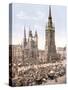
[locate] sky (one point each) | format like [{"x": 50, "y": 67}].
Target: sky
[{"x": 35, "y": 17}]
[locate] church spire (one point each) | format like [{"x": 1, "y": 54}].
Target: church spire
[
  {"x": 36, "y": 34},
  {"x": 24, "y": 33},
  {"x": 25, "y": 37},
  {"x": 30, "y": 32}
]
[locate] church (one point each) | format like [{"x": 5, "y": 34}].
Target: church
[{"x": 30, "y": 45}]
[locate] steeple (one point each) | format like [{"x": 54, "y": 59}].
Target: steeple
[
  {"x": 50, "y": 47},
  {"x": 50, "y": 18},
  {"x": 25, "y": 37},
  {"x": 36, "y": 34},
  {"x": 24, "y": 33},
  {"x": 50, "y": 12},
  {"x": 30, "y": 32},
  {"x": 36, "y": 39}
]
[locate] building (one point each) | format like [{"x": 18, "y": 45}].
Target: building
[
  {"x": 50, "y": 47},
  {"x": 30, "y": 47},
  {"x": 62, "y": 52}
]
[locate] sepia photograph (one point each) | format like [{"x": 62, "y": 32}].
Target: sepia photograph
[{"x": 37, "y": 44}]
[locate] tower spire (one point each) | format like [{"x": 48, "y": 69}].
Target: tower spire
[
  {"x": 50, "y": 47},
  {"x": 25, "y": 37},
  {"x": 36, "y": 33},
  {"x": 50, "y": 18},
  {"x": 50, "y": 12},
  {"x": 30, "y": 32},
  {"x": 24, "y": 32}
]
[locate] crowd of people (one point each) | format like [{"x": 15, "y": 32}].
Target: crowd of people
[{"x": 40, "y": 75}]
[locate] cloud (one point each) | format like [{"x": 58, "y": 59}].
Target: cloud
[
  {"x": 21, "y": 15},
  {"x": 40, "y": 14},
  {"x": 27, "y": 16}
]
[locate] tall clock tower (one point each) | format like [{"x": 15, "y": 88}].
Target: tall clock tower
[{"x": 50, "y": 47}]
